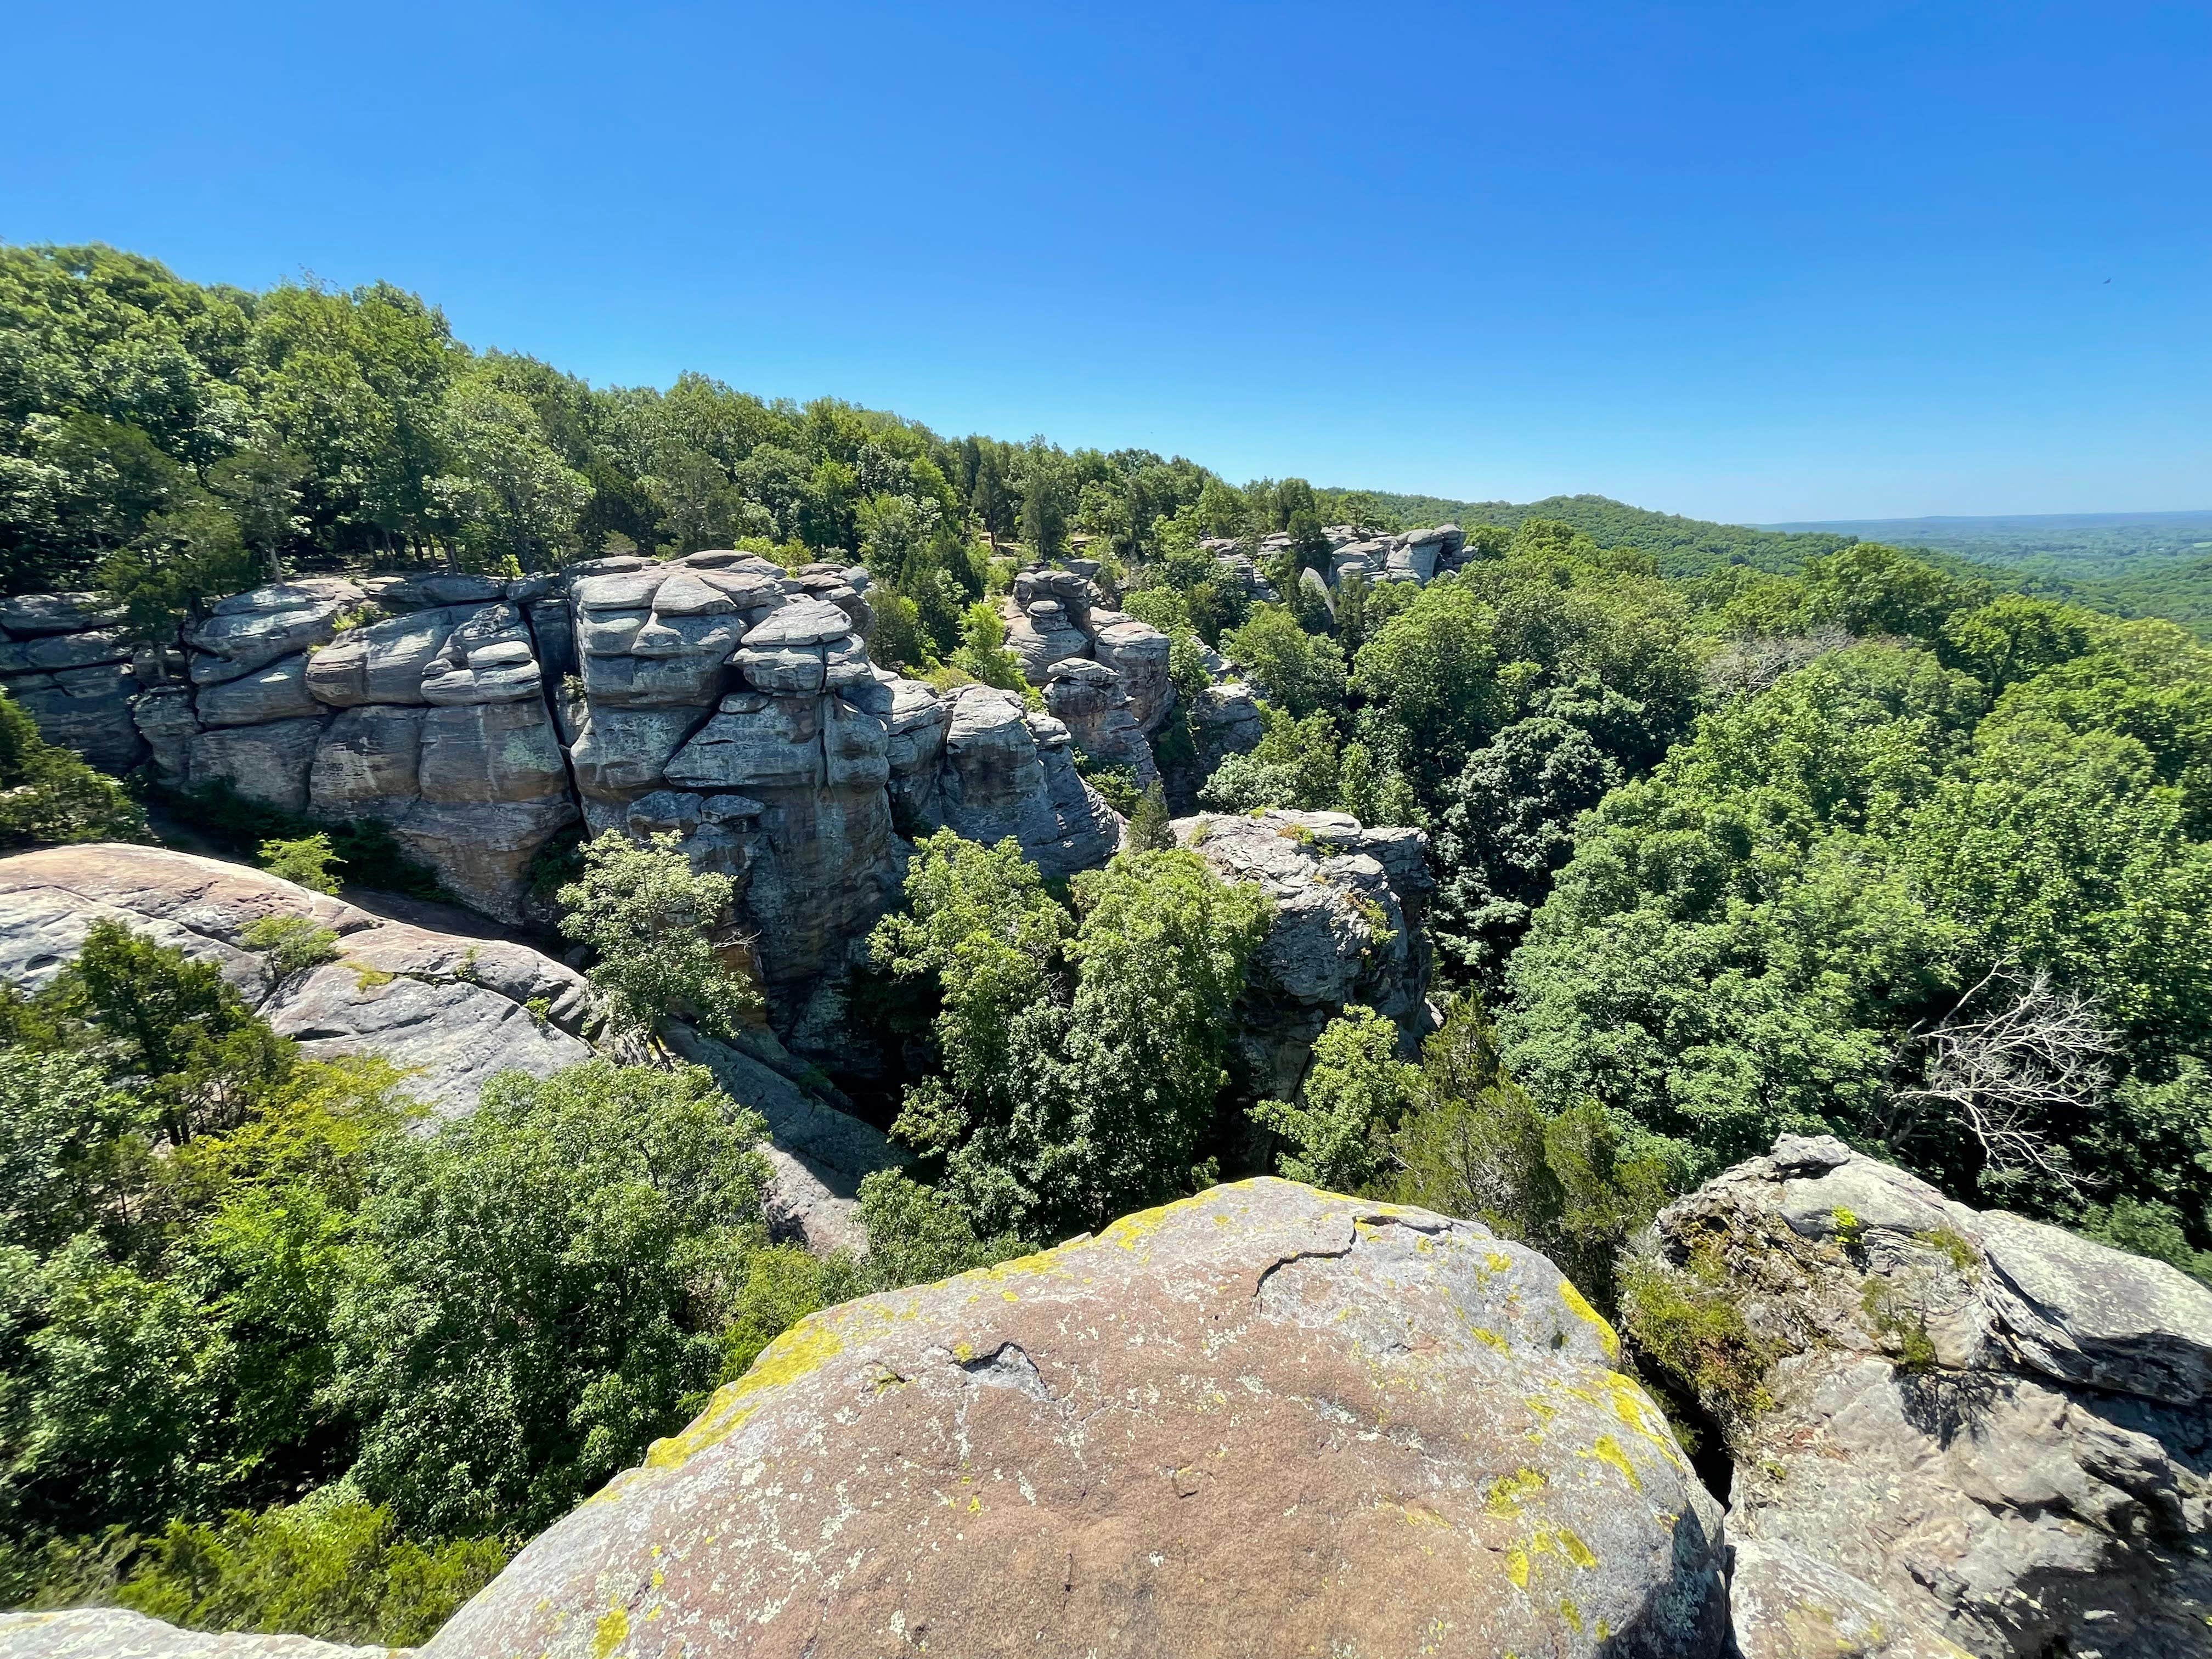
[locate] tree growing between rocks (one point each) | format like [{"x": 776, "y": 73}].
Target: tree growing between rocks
[
  {"x": 1082, "y": 1054},
  {"x": 662, "y": 934}
]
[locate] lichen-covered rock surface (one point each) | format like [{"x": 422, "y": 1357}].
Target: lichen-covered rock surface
[
  {"x": 118, "y": 1633},
  {"x": 1263, "y": 1420},
  {"x": 1986, "y": 1436},
  {"x": 451, "y": 1011}
]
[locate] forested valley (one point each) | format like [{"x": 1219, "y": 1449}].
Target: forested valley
[{"x": 1733, "y": 834}]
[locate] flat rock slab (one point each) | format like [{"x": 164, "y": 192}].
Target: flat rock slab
[
  {"x": 449, "y": 1011},
  {"x": 1267, "y": 1420},
  {"x": 118, "y": 1633}
]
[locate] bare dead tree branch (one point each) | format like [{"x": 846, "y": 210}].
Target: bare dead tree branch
[{"x": 2014, "y": 1053}]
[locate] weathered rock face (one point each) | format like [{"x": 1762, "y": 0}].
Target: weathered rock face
[
  {"x": 1089, "y": 699},
  {"x": 1264, "y": 1421},
  {"x": 1008, "y": 773},
  {"x": 1348, "y": 904},
  {"x": 451, "y": 1011},
  {"x": 118, "y": 1633},
  {"x": 818, "y": 1154},
  {"x": 716, "y": 696},
  {"x": 1988, "y": 1436}
]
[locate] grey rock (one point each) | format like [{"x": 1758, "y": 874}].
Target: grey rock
[
  {"x": 632, "y": 681},
  {"x": 251, "y": 630},
  {"x": 631, "y": 588},
  {"x": 451, "y": 1014},
  {"x": 1263, "y": 1421},
  {"x": 463, "y": 687},
  {"x": 1986, "y": 1436},
  {"x": 1042, "y": 636},
  {"x": 278, "y": 692},
  {"x": 31, "y": 615},
  {"x": 817, "y": 1153},
  {"x": 118, "y": 1633},
  {"x": 1006, "y": 776},
  {"x": 488, "y": 752},
  {"x": 87, "y": 709},
  {"x": 482, "y": 851},
  {"x": 1138, "y": 653},
  {"x": 165, "y": 720},
  {"x": 383, "y": 662},
  {"x": 1341, "y": 931},
  {"x": 1087, "y": 698},
  {"x": 268, "y": 764},
  {"x": 425, "y": 590},
  {"x": 1075, "y": 595},
  {"x": 620, "y": 752},
  {"x": 1225, "y": 720},
  {"x": 752, "y": 591},
  {"x": 855, "y": 747},
  {"x": 367, "y": 763},
  {"x": 46, "y": 653},
  {"x": 798, "y": 622},
  {"x": 796, "y": 671},
  {"x": 755, "y": 742}
]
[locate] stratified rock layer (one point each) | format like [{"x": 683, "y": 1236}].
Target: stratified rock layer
[
  {"x": 1988, "y": 1436},
  {"x": 1264, "y": 1421}
]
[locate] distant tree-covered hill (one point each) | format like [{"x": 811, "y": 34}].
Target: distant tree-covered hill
[{"x": 1683, "y": 547}]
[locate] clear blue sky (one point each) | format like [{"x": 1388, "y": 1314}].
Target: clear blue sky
[{"x": 1748, "y": 262}]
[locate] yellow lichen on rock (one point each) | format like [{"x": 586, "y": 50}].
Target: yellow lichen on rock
[{"x": 1578, "y": 1305}]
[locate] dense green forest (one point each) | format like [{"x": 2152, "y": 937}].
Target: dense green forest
[{"x": 1734, "y": 833}]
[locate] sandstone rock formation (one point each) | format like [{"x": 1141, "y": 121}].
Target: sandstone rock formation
[
  {"x": 1415, "y": 555},
  {"x": 1348, "y": 905},
  {"x": 718, "y": 696},
  {"x": 449, "y": 1011},
  {"x": 1987, "y": 1437},
  {"x": 63, "y": 659},
  {"x": 118, "y": 1633},
  {"x": 1264, "y": 1421},
  {"x": 1008, "y": 772}
]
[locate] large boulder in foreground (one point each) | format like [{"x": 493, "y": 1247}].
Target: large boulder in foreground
[
  {"x": 452, "y": 1011},
  {"x": 1981, "y": 1435},
  {"x": 1263, "y": 1420},
  {"x": 118, "y": 1633}
]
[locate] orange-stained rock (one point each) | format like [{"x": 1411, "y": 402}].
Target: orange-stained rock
[{"x": 1266, "y": 1420}]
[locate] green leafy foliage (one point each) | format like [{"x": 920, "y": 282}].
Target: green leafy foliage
[
  {"x": 1571, "y": 1182},
  {"x": 48, "y": 794},
  {"x": 1080, "y": 1058},
  {"x": 542, "y": 1290},
  {"x": 306, "y": 860},
  {"x": 660, "y": 932},
  {"x": 1355, "y": 1089}
]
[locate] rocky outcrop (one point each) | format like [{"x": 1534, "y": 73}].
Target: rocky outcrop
[
  {"x": 1348, "y": 904},
  {"x": 818, "y": 1154},
  {"x": 717, "y": 695},
  {"x": 118, "y": 1633},
  {"x": 1415, "y": 555},
  {"x": 449, "y": 1011},
  {"x": 1089, "y": 699},
  {"x": 1105, "y": 674},
  {"x": 1980, "y": 1436},
  {"x": 1264, "y": 1421},
  {"x": 65, "y": 660},
  {"x": 1008, "y": 773}
]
